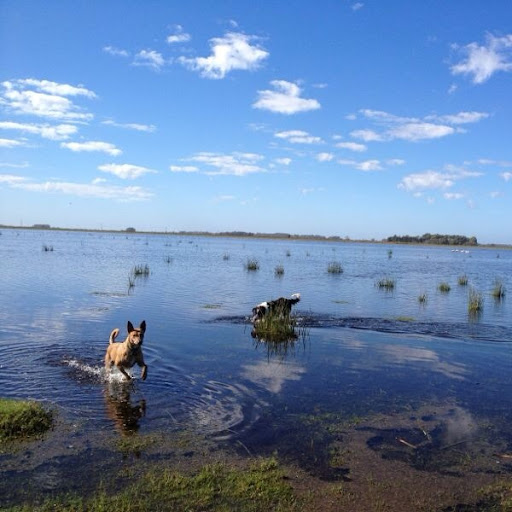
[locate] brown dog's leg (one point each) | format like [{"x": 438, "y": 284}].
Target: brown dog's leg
[
  {"x": 140, "y": 361},
  {"x": 123, "y": 371}
]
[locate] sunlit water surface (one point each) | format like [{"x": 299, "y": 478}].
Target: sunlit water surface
[{"x": 366, "y": 351}]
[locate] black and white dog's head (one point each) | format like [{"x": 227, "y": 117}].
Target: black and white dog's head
[{"x": 281, "y": 306}]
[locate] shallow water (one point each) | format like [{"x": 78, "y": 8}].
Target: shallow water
[{"x": 436, "y": 374}]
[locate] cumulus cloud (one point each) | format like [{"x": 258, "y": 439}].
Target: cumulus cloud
[
  {"x": 149, "y": 58},
  {"x": 116, "y": 52},
  {"x": 125, "y": 171},
  {"x": 52, "y": 132},
  {"x": 284, "y": 99},
  {"x": 298, "y": 137},
  {"x": 367, "y": 135},
  {"x": 480, "y": 62},
  {"x": 92, "y": 145},
  {"x": 283, "y": 161},
  {"x": 234, "y": 164},
  {"x": 43, "y": 98},
  {"x": 234, "y": 51},
  {"x": 90, "y": 190},
  {"x": 507, "y": 176},
  {"x": 365, "y": 165},
  {"x": 420, "y": 131}
]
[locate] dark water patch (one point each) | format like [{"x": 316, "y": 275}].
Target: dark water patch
[{"x": 463, "y": 331}]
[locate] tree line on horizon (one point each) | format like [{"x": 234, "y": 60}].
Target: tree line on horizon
[{"x": 434, "y": 239}]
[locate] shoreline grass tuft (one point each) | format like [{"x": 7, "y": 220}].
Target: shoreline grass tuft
[{"x": 22, "y": 419}]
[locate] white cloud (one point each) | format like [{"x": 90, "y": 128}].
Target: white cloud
[
  {"x": 44, "y": 99},
  {"x": 283, "y": 161},
  {"x": 284, "y": 99},
  {"x": 426, "y": 180},
  {"x": 116, "y": 52},
  {"x": 352, "y": 146},
  {"x": 183, "y": 168},
  {"x": 235, "y": 164},
  {"x": 52, "y": 132},
  {"x": 234, "y": 51},
  {"x": 131, "y": 126},
  {"x": 14, "y": 166},
  {"x": 149, "y": 58},
  {"x": 179, "y": 36},
  {"x": 366, "y": 135},
  {"x": 435, "y": 179},
  {"x": 460, "y": 118},
  {"x": 481, "y": 62},
  {"x": 125, "y": 171},
  {"x": 10, "y": 143},
  {"x": 324, "y": 157},
  {"x": 357, "y": 6},
  {"x": 420, "y": 131},
  {"x": 395, "y": 161},
  {"x": 298, "y": 137},
  {"x": 507, "y": 176},
  {"x": 453, "y": 195},
  {"x": 369, "y": 165},
  {"x": 92, "y": 145},
  {"x": 91, "y": 190}
]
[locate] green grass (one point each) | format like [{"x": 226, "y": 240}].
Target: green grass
[
  {"x": 498, "y": 291},
  {"x": 261, "y": 487},
  {"x": 20, "y": 419},
  {"x": 252, "y": 265},
  {"x": 475, "y": 302},
  {"x": 386, "y": 283},
  {"x": 279, "y": 270},
  {"x": 335, "y": 268},
  {"x": 277, "y": 326},
  {"x": 444, "y": 287},
  {"x": 462, "y": 280}
]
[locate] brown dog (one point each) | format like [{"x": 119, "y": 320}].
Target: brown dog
[{"x": 126, "y": 354}]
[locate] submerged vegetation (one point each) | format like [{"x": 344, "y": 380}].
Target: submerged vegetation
[
  {"x": 279, "y": 270},
  {"x": 475, "y": 302},
  {"x": 21, "y": 419},
  {"x": 444, "y": 287},
  {"x": 462, "y": 280},
  {"x": 498, "y": 291},
  {"x": 141, "y": 270}
]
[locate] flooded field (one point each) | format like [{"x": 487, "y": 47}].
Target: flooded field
[{"x": 393, "y": 397}]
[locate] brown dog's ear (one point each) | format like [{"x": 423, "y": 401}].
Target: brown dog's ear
[
  {"x": 142, "y": 326},
  {"x": 130, "y": 327}
]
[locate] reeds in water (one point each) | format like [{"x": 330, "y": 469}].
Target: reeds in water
[
  {"x": 462, "y": 280},
  {"x": 140, "y": 270},
  {"x": 498, "y": 291},
  {"x": 335, "y": 268},
  {"x": 386, "y": 283},
  {"x": 279, "y": 271},
  {"x": 475, "y": 302},
  {"x": 444, "y": 287},
  {"x": 252, "y": 265}
]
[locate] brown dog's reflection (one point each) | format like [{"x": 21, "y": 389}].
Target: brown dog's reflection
[{"x": 120, "y": 408}]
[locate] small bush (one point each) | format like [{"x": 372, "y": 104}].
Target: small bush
[
  {"x": 335, "y": 268},
  {"x": 252, "y": 264},
  {"x": 444, "y": 287}
]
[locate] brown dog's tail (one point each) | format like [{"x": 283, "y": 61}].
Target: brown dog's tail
[{"x": 113, "y": 336}]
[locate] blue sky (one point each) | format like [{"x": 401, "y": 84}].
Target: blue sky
[{"x": 360, "y": 119}]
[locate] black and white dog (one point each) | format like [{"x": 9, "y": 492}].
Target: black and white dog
[{"x": 281, "y": 306}]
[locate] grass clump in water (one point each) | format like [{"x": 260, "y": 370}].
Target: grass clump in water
[
  {"x": 140, "y": 270},
  {"x": 498, "y": 291},
  {"x": 21, "y": 419},
  {"x": 444, "y": 287},
  {"x": 422, "y": 299},
  {"x": 335, "y": 268},
  {"x": 475, "y": 302},
  {"x": 463, "y": 280},
  {"x": 279, "y": 271},
  {"x": 386, "y": 283},
  {"x": 259, "y": 488},
  {"x": 252, "y": 265}
]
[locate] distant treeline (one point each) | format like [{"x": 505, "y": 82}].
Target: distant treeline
[{"x": 436, "y": 239}]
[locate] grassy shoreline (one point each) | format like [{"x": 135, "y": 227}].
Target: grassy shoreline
[{"x": 23, "y": 419}]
